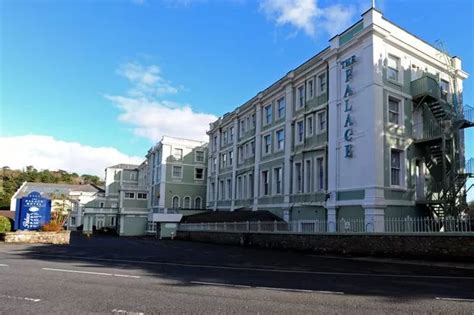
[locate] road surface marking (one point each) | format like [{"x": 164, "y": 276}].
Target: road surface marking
[
  {"x": 3, "y": 265},
  {"x": 454, "y": 299},
  {"x": 327, "y": 273},
  {"x": 19, "y": 298},
  {"x": 116, "y": 311},
  {"x": 126, "y": 276},
  {"x": 92, "y": 273},
  {"x": 220, "y": 284}
]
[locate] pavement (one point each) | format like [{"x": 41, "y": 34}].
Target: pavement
[{"x": 111, "y": 275}]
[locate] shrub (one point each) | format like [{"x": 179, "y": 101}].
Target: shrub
[
  {"x": 51, "y": 227},
  {"x": 5, "y": 225}
]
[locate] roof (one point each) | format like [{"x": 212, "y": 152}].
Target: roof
[
  {"x": 125, "y": 166},
  {"x": 47, "y": 189},
  {"x": 231, "y": 216}
]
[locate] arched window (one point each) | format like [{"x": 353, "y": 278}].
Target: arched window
[
  {"x": 187, "y": 202},
  {"x": 175, "y": 202},
  {"x": 198, "y": 203}
]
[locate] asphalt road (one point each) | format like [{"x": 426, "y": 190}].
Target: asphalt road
[{"x": 147, "y": 276}]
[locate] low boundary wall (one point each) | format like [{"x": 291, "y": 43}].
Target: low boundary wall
[
  {"x": 433, "y": 246},
  {"x": 33, "y": 237}
]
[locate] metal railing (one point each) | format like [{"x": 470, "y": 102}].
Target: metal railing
[{"x": 388, "y": 225}]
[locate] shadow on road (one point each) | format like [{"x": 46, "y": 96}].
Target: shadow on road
[{"x": 191, "y": 264}]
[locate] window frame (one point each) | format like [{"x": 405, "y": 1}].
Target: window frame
[
  {"x": 277, "y": 140},
  {"x": 396, "y": 70},
  {"x": 390, "y": 111},
  {"x": 265, "y": 145},
  {"x": 400, "y": 169},
  {"x": 195, "y": 173},
  {"x": 309, "y": 126},
  {"x": 277, "y": 181},
  {"x": 297, "y": 132},
  {"x": 173, "y": 171},
  {"x": 281, "y": 109},
  {"x": 196, "y": 156},
  {"x": 130, "y": 197},
  {"x": 320, "y": 114},
  {"x": 268, "y": 117}
]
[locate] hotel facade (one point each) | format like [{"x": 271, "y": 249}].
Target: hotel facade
[{"x": 370, "y": 128}]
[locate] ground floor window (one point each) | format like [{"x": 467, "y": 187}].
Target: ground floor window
[{"x": 175, "y": 202}]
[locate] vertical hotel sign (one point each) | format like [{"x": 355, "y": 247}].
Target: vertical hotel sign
[
  {"x": 348, "y": 122},
  {"x": 32, "y": 212}
]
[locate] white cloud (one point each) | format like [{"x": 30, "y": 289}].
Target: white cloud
[
  {"x": 307, "y": 16},
  {"x": 45, "y": 152},
  {"x": 153, "y": 119},
  {"x": 151, "y": 116}
]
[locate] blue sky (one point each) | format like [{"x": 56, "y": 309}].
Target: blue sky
[{"x": 96, "y": 78}]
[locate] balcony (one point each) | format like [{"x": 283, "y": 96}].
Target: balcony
[
  {"x": 425, "y": 86},
  {"x": 426, "y": 131}
]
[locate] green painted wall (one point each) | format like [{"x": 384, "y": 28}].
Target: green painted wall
[
  {"x": 350, "y": 212},
  {"x": 401, "y": 211},
  {"x": 350, "y": 33},
  {"x": 308, "y": 213},
  {"x": 351, "y": 195},
  {"x": 134, "y": 226}
]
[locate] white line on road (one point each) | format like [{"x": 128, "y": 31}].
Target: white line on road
[
  {"x": 264, "y": 288},
  {"x": 3, "y": 265},
  {"x": 19, "y": 298},
  {"x": 454, "y": 299},
  {"x": 116, "y": 311},
  {"x": 221, "y": 284},
  {"x": 91, "y": 273},
  {"x": 259, "y": 269}
]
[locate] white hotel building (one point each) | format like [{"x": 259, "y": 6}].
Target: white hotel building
[{"x": 371, "y": 127}]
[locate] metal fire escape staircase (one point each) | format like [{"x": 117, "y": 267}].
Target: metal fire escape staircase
[{"x": 438, "y": 140}]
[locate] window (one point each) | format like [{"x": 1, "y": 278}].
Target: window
[
  {"x": 133, "y": 176},
  {"x": 73, "y": 220},
  {"x": 252, "y": 145},
  {"x": 245, "y": 193},
  {"x": 253, "y": 121},
  {"x": 223, "y": 160},
  {"x": 395, "y": 166},
  {"x": 310, "y": 89},
  {"x": 298, "y": 178},
  {"x": 224, "y": 138},
  {"x": 112, "y": 221},
  {"x": 299, "y": 131},
  {"x": 277, "y": 180},
  {"x": 267, "y": 143},
  {"x": 322, "y": 83},
  {"x": 213, "y": 191},
  {"x": 214, "y": 143},
  {"x": 178, "y": 153},
  {"x": 239, "y": 187},
  {"x": 251, "y": 185},
  {"x": 322, "y": 121},
  {"x": 301, "y": 96},
  {"x": 309, "y": 126},
  {"x": 199, "y": 156},
  {"x": 268, "y": 114},
  {"x": 392, "y": 67},
  {"x": 240, "y": 154},
  {"x": 280, "y": 139},
  {"x": 198, "y": 173},
  {"x": 187, "y": 202},
  {"x": 307, "y": 172},
  {"x": 214, "y": 164},
  {"x": 177, "y": 171},
  {"x": 281, "y": 104},
  {"x": 175, "y": 202},
  {"x": 231, "y": 134},
  {"x": 142, "y": 196},
  {"x": 229, "y": 188},
  {"x": 128, "y": 195},
  {"x": 231, "y": 157},
  {"x": 444, "y": 86},
  {"x": 101, "y": 204},
  {"x": 320, "y": 168},
  {"x": 198, "y": 203},
  {"x": 221, "y": 190},
  {"x": 265, "y": 183},
  {"x": 242, "y": 127},
  {"x": 393, "y": 110}
]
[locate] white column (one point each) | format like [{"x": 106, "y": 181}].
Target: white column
[
  {"x": 216, "y": 180},
  {"x": 258, "y": 147},
  {"x": 289, "y": 100},
  {"x": 331, "y": 219},
  {"x": 234, "y": 165},
  {"x": 374, "y": 219}
]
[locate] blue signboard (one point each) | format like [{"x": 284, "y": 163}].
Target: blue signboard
[{"x": 32, "y": 212}]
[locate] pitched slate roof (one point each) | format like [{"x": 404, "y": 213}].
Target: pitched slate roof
[
  {"x": 125, "y": 166},
  {"x": 47, "y": 189},
  {"x": 231, "y": 216}
]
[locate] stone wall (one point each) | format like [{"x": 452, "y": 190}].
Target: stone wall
[
  {"x": 433, "y": 246},
  {"x": 33, "y": 237}
]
